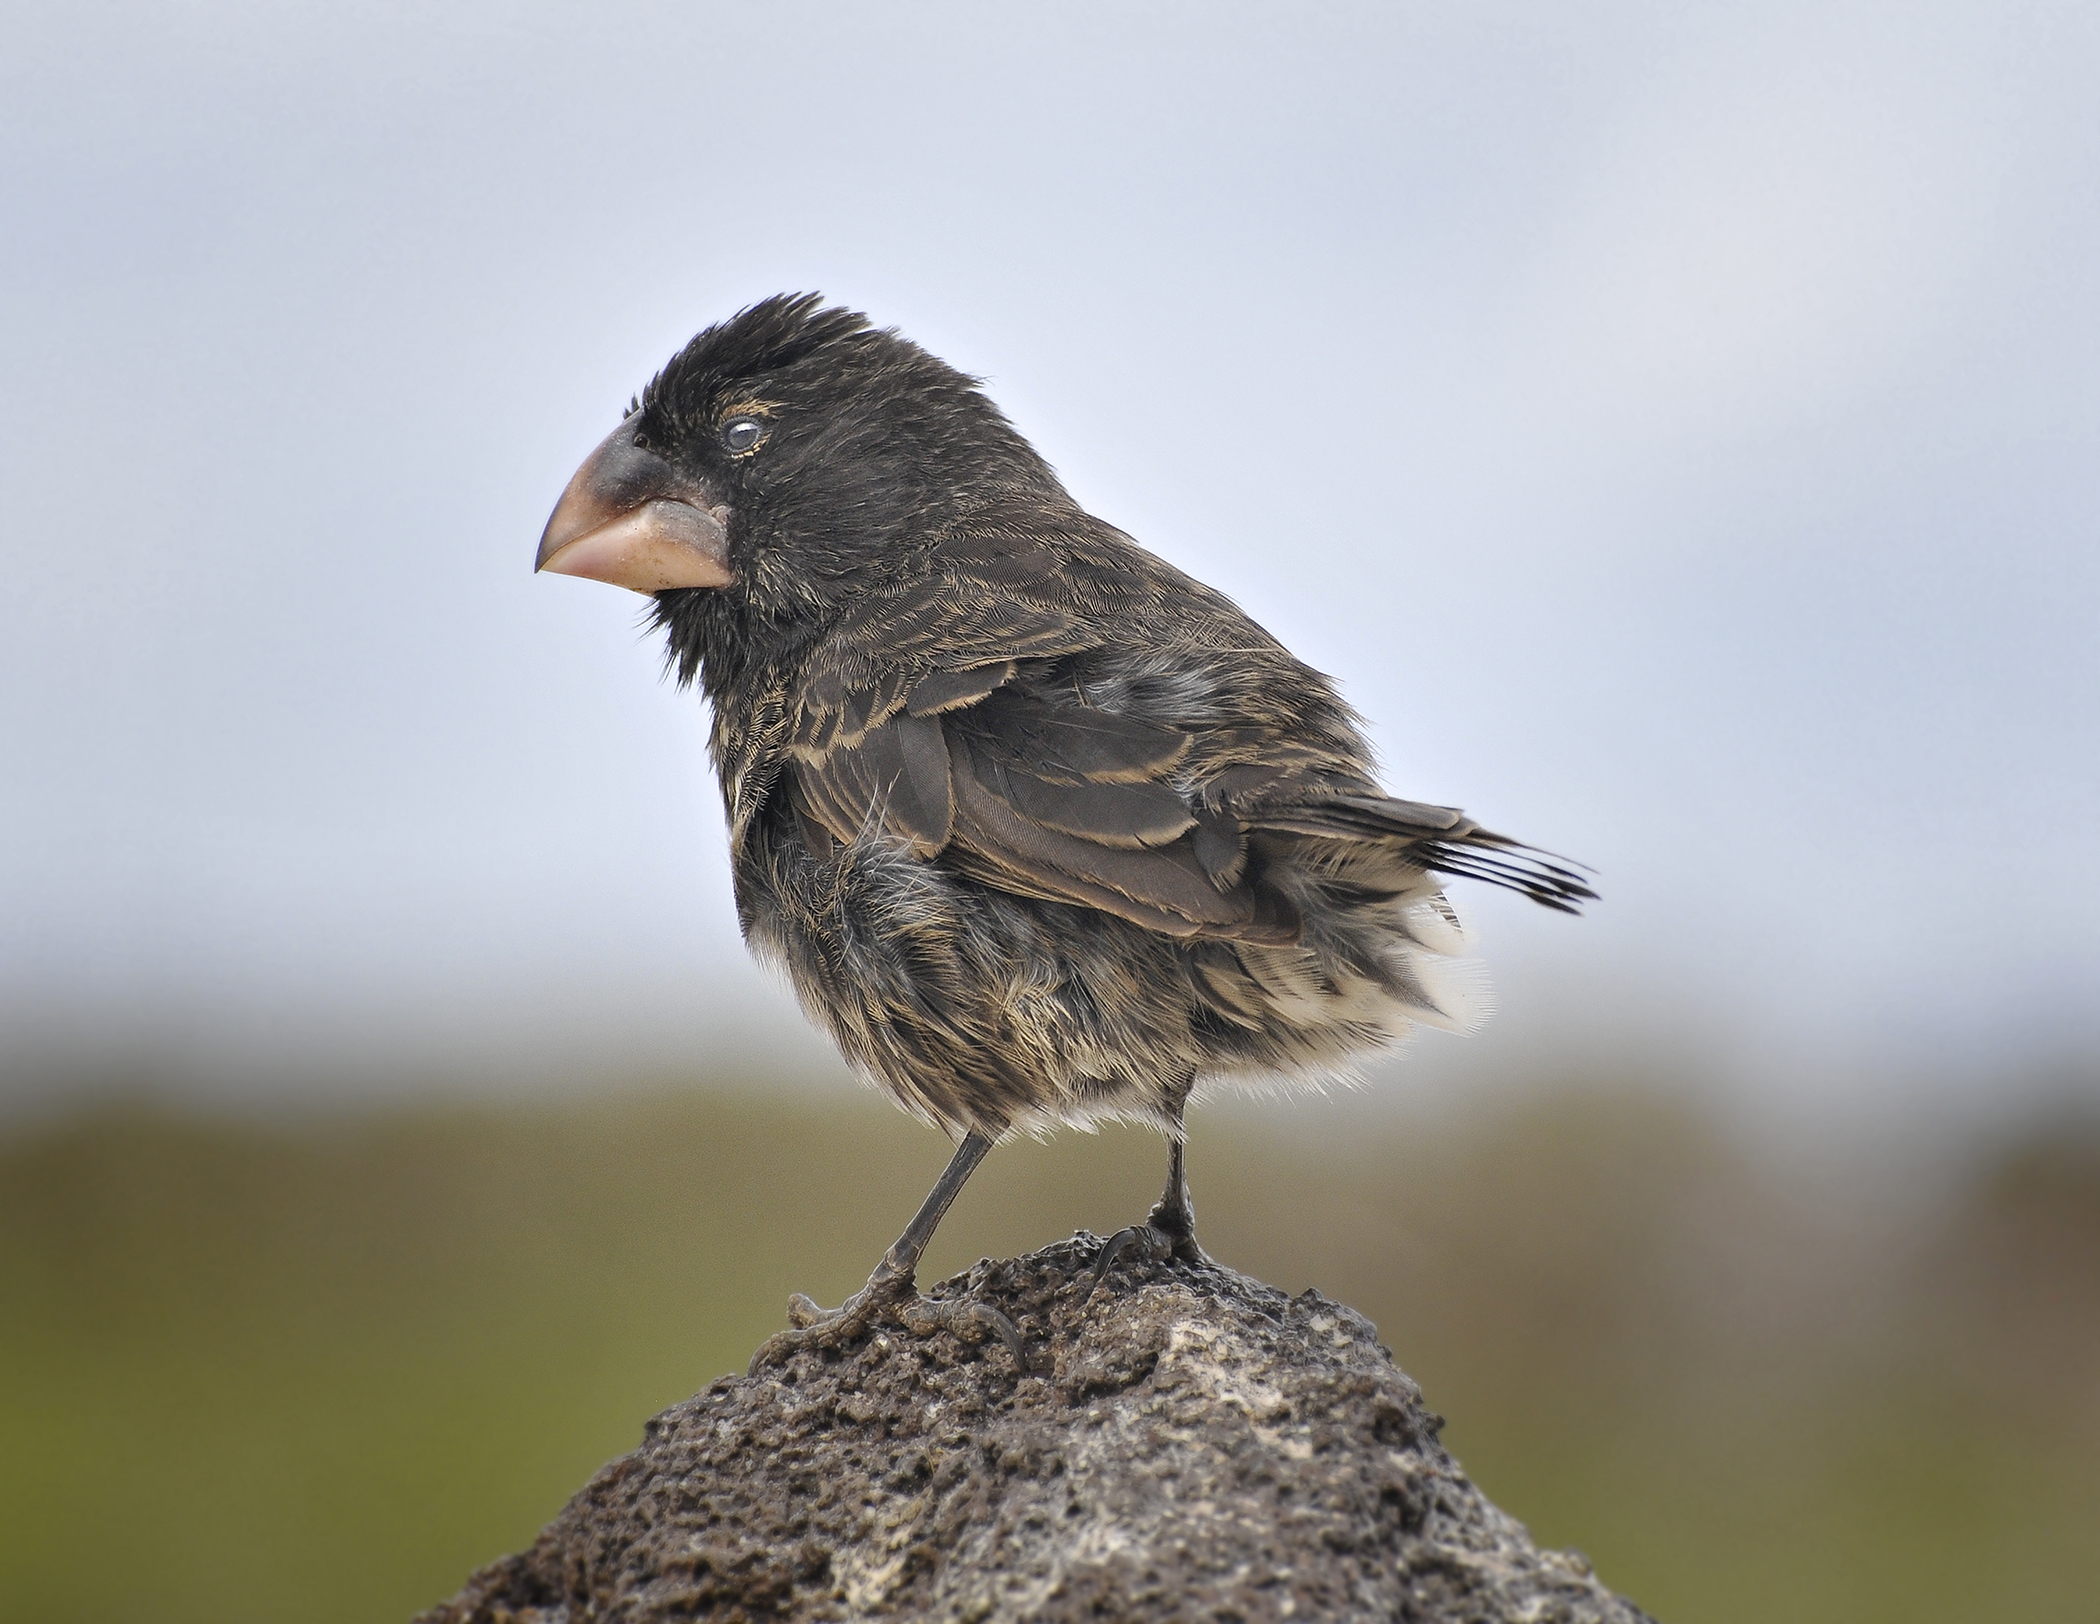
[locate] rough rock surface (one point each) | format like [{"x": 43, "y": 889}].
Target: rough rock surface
[{"x": 1190, "y": 1444}]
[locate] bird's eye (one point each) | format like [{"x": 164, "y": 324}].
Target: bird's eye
[{"x": 740, "y": 433}]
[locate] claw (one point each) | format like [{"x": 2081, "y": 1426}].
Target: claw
[{"x": 1155, "y": 1245}]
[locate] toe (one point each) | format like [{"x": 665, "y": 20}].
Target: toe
[
  {"x": 898, "y": 1300},
  {"x": 812, "y": 1326},
  {"x": 973, "y": 1322}
]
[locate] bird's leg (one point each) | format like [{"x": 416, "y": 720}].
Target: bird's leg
[
  {"x": 893, "y": 1288},
  {"x": 1170, "y": 1229},
  {"x": 1174, "y": 1216}
]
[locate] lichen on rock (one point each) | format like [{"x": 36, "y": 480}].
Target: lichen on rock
[{"x": 1188, "y": 1444}]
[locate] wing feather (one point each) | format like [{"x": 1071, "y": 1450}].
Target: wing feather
[
  {"x": 1073, "y": 743},
  {"x": 1164, "y": 888},
  {"x": 1114, "y": 814},
  {"x": 896, "y": 778},
  {"x": 945, "y": 690}
]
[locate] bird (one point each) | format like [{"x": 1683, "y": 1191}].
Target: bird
[{"x": 1043, "y": 831}]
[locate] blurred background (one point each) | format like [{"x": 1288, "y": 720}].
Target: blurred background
[{"x": 1678, "y": 428}]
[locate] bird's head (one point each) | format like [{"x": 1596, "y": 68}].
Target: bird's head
[{"x": 782, "y": 460}]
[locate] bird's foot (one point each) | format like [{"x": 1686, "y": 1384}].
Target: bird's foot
[
  {"x": 886, "y": 1296},
  {"x": 1153, "y": 1240}
]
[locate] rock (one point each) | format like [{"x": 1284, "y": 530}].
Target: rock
[{"x": 1190, "y": 1444}]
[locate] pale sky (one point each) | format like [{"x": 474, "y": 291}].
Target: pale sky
[{"x": 1677, "y": 427}]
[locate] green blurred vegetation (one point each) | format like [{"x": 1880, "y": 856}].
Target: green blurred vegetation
[{"x": 321, "y": 1371}]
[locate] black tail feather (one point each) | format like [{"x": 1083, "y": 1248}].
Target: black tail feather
[
  {"x": 1549, "y": 881},
  {"x": 1442, "y": 839}
]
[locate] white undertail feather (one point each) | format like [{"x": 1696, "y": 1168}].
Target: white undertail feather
[{"x": 1456, "y": 982}]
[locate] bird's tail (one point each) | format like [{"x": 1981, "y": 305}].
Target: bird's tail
[{"x": 1442, "y": 840}]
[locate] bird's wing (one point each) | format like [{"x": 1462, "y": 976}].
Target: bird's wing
[
  {"x": 949, "y": 711},
  {"x": 910, "y": 719}
]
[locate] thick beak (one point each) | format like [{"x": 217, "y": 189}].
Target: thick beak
[{"x": 630, "y": 519}]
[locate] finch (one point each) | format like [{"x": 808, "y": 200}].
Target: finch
[{"x": 1041, "y": 830}]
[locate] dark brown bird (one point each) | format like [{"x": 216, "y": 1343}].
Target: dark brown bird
[{"x": 1042, "y": 830}]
